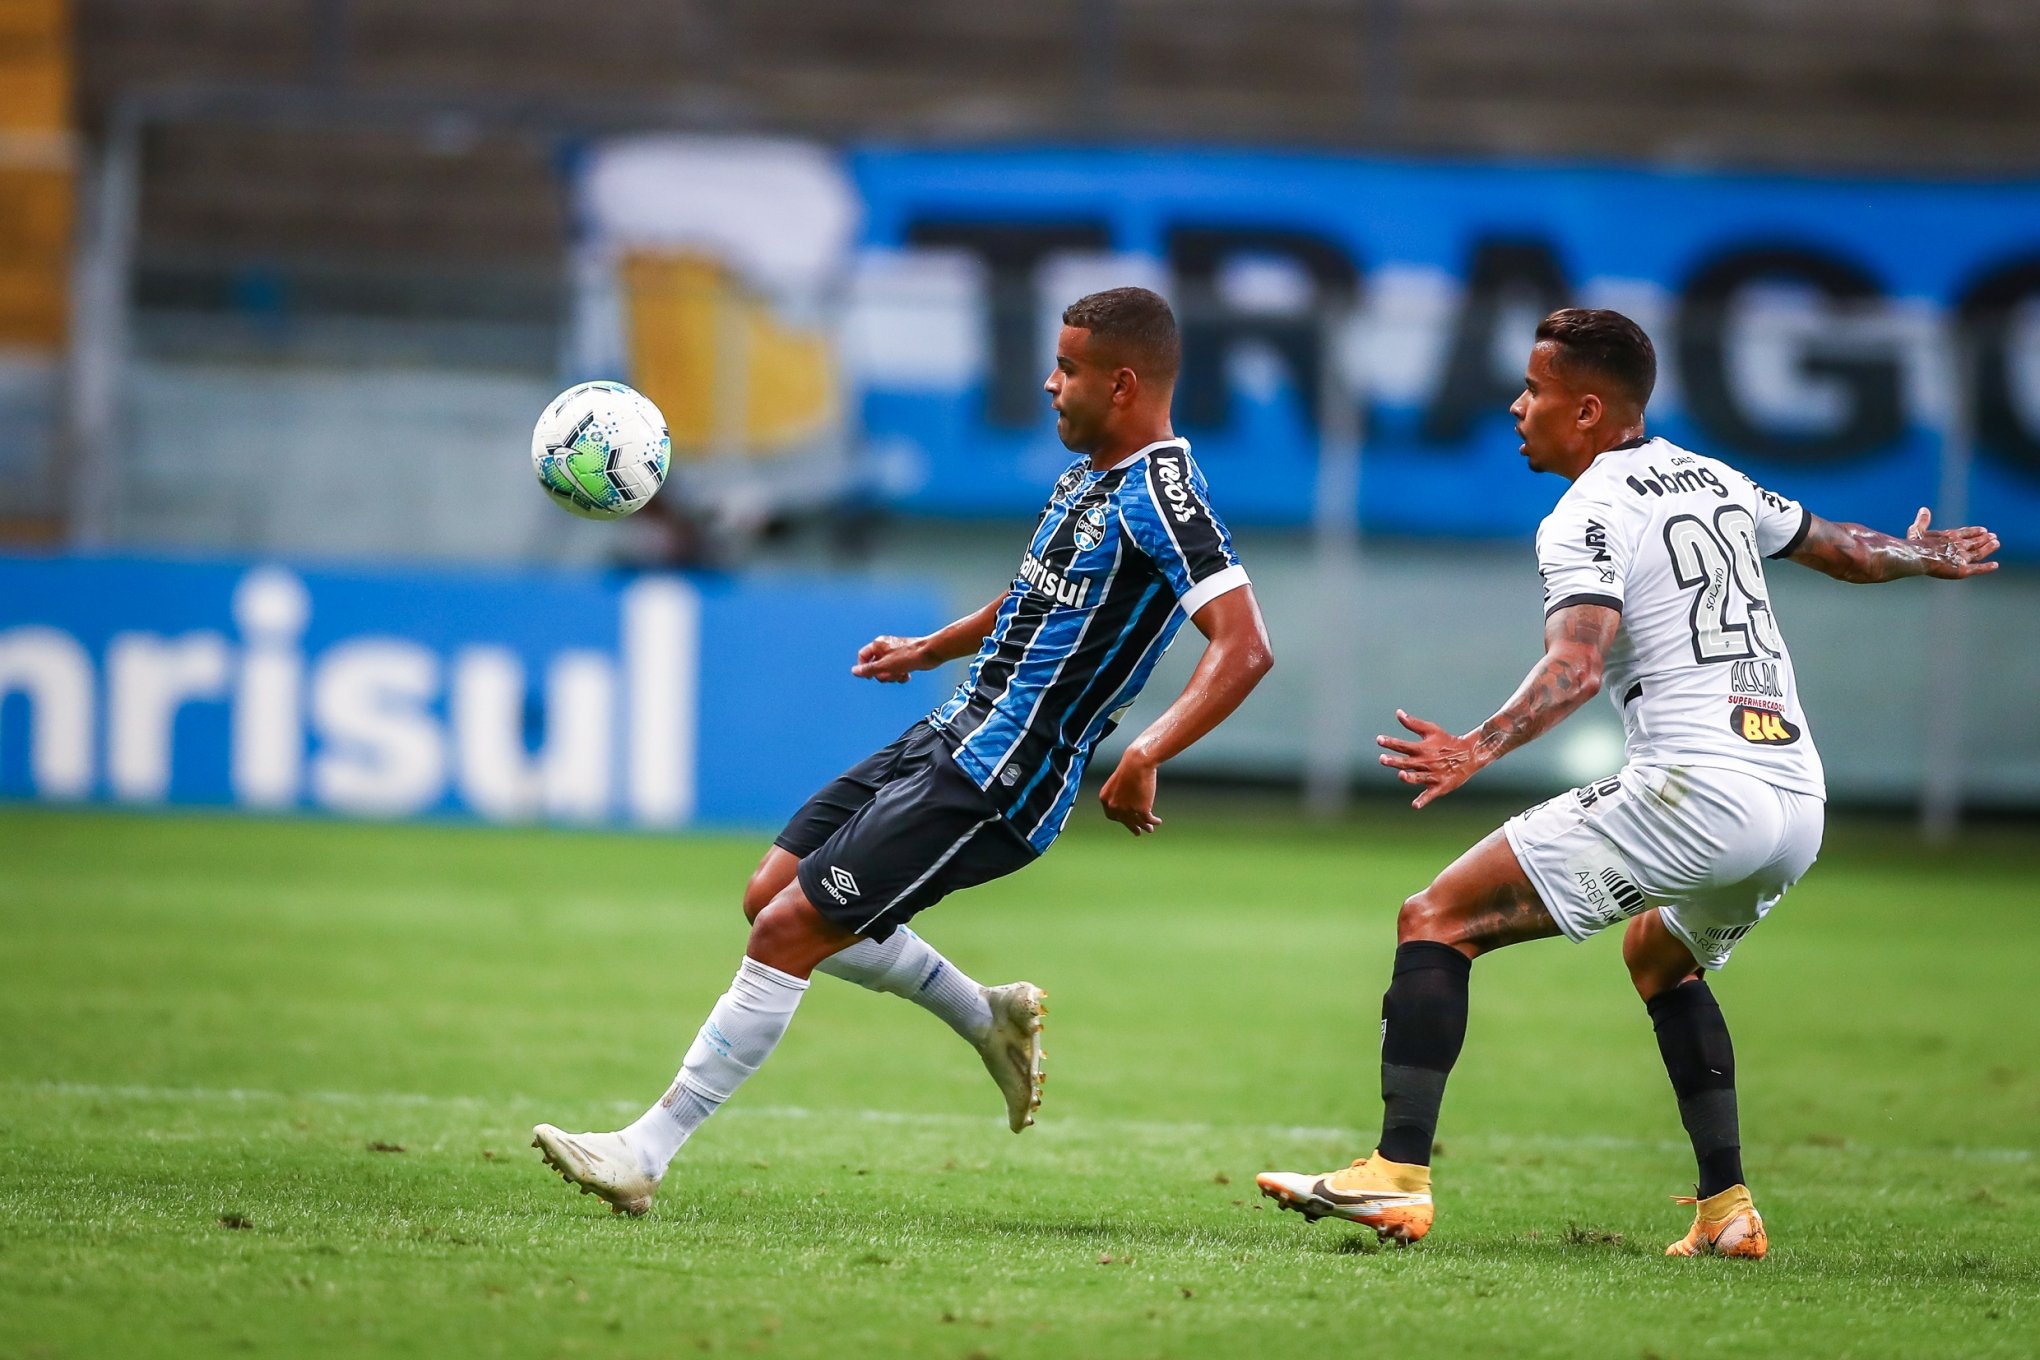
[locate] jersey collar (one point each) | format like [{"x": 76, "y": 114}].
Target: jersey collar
[{"x": 1142, "y": 452}]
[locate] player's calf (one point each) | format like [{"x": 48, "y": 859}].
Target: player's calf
[
  {"x": 1002, "y": 1023},
  {"x": 742, "y": 1029},
  {"x": 1699, "y": 1058}
]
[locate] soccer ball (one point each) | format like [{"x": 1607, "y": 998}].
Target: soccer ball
[{"x": 600, "y": 450}]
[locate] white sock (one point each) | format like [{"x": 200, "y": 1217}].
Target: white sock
[
  {"x": 906, "y": 965},
  {"x": 739, "y": 1034}
]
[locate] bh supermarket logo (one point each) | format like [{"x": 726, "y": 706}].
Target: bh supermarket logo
[{"x": 366, "y": 723}]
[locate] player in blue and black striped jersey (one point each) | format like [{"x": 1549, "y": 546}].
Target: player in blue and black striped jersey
[
  {"x": 1121, "y": 556},
  {"x": 1127, "y": 548}
]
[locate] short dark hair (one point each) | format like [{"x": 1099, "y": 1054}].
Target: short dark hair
[
  {"x": 1608, "y": 345},
  {"x": 1137, "y": 323}
]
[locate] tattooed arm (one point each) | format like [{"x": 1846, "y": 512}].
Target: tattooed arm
[
  {"x": 1862, "y": 556},
  {"x": 1576, "y": 641}
]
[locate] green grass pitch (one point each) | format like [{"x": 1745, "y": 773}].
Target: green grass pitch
[{"x": 268, "y": 1087}]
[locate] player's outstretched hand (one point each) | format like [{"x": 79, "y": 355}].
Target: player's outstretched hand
[
  {"x": 890, "y": 660},
  {"x": 1952, "y": 554},
  {"x": 1437, "y": 761},
  {"x": 1129, "y": 795}
]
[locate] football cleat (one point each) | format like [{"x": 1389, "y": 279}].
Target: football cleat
[
  {"x": 1392, "y": 1198},
  {"x": 1726, "y": 1224},
  {"x": 1011, "y": 1048},
  {"x": 602, "y": 1164}
]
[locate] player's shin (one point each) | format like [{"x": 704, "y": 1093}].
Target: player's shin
[
  {"x": 904, "y": 964},
  {"x": 1693, "y": 1040},
  {"x": 1423, "y": 1025},
  {"x": 739, "y": 1034}
]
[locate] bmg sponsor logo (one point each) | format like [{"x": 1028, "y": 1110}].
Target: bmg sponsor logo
[{"x": 1657, "y": 483}]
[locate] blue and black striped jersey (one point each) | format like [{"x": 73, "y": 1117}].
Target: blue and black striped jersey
[{"x": 1118, "y": 560}]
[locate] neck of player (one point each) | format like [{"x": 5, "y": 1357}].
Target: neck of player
[
  {"x": 1119, "y": 446},
  {"x": 1625, "y": 433}
]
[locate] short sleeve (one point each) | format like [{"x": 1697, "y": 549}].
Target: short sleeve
[
  {"x": 1781, "y": 523},
  {"x": 1170, "y": 519},
  {"x": 1579, "y": 556}
]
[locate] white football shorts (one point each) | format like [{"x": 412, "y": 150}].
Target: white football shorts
[{"x": 1713, "y": 849}]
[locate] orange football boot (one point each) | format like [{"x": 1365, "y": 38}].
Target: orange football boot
[
  {"x": 1393, "y": 1198},
  {"x": 1726, "y": 1224}
]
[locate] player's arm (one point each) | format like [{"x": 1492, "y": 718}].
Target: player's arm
[
  {"x": 891, "y": 659},
  {"x": 1236, "y": 656},
  {"x": 1576, "y": 642},
  {"x": 1863, "y": 556}
]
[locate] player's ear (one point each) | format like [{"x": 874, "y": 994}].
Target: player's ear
[
  {"x": 1590, "y": 411},
  {"x": 1125, "y": 387}
]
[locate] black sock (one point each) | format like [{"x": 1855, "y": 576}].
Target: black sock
[
  {"x": 1693, "y": 1040},
  {"x": 1423, "y": 1024}
]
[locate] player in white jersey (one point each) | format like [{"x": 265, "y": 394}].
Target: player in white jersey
[{"x": 1653, "y": 566}]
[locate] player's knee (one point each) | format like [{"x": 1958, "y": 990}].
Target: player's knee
[
  {"x": 775, "y": 870},
  {"x": 1655, "y": 959},
  {"x": 758, "y": 894},
  {"x": 778, "y": 927},
  {"x": 790, "y": 935},
  {"x": 1427, "y": 916}
]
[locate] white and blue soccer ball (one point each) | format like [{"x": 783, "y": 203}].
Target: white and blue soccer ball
[{"x": 601, "y": 450}]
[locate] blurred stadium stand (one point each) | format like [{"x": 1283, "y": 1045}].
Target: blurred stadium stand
[
  {"x": 310, "y": 134},
  {"x": 38, "y": 162},
  {"x": 1796, "y": 84}
]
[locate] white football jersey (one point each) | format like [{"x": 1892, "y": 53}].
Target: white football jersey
[{"x": 1699, "y": 671}]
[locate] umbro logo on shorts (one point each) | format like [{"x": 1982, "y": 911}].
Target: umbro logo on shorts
[{"x": 840, "y": 885}]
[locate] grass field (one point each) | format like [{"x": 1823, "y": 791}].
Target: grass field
[{"x": 268, "y": 1087}]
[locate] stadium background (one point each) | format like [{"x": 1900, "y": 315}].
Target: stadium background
[
  {"x": 328, "y": 258},
  {"x": 283, "y": 285}
]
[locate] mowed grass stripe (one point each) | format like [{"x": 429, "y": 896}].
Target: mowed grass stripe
[
  {"x": 1215, "y": 993},
  {"x": 1185, "y": 1130}
]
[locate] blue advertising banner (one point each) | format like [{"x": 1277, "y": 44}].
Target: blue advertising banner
[
  {"x": 651, "y": 701},
  {"x": 1804, "y": 326},
  {"x": 1801, "y": 325}
]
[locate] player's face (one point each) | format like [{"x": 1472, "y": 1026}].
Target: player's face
[
  {"x": 1551, "y": 415},
  {"x": 1080, "y": 391}
]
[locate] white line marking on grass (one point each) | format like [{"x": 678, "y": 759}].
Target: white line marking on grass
[{"x": 202, "y": 1095}]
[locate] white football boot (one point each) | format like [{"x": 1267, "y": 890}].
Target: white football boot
[
  {"x": 601, "y": 1164},
  {"x": 1011, "y": 1048}
]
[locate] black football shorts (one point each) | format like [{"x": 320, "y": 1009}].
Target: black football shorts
[{"x": 896, "y": 833}]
